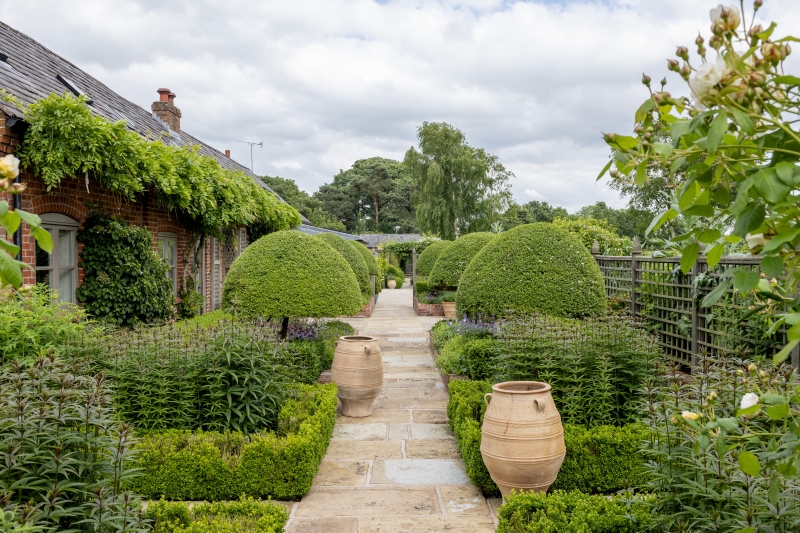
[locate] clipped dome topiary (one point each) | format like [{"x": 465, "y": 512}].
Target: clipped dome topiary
[
  {"x": 290, "y": 274},
  {"x": 428, "y": 257},
  {"x": 452, "y": 262},
  {"x": 369, "y": 259},
  {"x": 535, "y": 267},
  {"x": 352, "y": 257}
]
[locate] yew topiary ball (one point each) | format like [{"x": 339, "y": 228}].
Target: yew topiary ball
[
  {"x": 535, "y": 267},
  {"x": 290, "y": 274},
  {"x": 369, "y": 259},
  {"x": 428, "y": 257},
  {"x": 452, "y": 262},
  {"x": 352, "y": 257}
]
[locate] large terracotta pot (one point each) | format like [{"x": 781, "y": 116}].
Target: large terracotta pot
[
  {"x": 522, "y": 439},
  {"x": 449, "y": 309},
  {"x": 391, "y": 284},
  {"x": 357, "y": 371}
]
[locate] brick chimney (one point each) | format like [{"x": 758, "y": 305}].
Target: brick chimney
[
  {"x": 165, "y": 109},
  {"x": 228, "y": 154}
]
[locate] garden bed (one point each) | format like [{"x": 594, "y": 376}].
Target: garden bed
[
  {"x": 423, "y": 309},
  {"x": 244, "y": 516}
]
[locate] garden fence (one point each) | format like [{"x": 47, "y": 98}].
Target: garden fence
[{"x": 656, "y": 290}]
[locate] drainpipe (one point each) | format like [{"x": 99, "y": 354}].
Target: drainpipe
[{"x": 18, "y": 233}]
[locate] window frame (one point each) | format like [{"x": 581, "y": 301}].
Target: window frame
[
  {"x": 54, "y": 223},
  {"x": 163, "y": 238}
]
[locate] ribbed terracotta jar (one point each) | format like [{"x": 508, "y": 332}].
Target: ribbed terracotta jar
[
  {"x": 450, "y": 310},
  {"x": 357, "y": 371},
  {"x": 522, "y": 439}
]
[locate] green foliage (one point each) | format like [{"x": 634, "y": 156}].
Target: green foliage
[
  {"x": 289, "y": 274},
  {"x": 185, "y": 465},
  {"x": 602, "y": 459},
  {"x": 63, "y": 456},
  {"x": 451, "y": 357},
  {"x": 453, "y": 261},
  {"x": 206, "y": 320},
  {"x": 734, "y": 425},
  {"x": 627, "y": 222},
  {"x": 422, "y": 287},
  {"x": 374, "y": 195},
  {"x": 353, "y": 258},
  {"x": 573, "y": 512},
  {"x": 392, "y": 272},
  {"x": 244, "y": 516},
  {"x": 191, "y": 304},
  {"x": 480, "y": 355},
  {"x": 309, "y": 207},
  {"x": 597, "y": 367},
  {"x": 65, "y": 140},
  {"x": 329, "y": 334},
  {"x": 459, "y": 186},
  {"x": 403, "y": 250},
  {"x": 369, "y": 259},
  {"x": 34, "y": 324},
  {"x": 428, "y": 257},
  {"x": 535, "y": 267},
  {"x": 125, "y": 280},
  {"x": 588, "y": 230}
]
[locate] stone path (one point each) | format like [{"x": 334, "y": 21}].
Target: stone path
[{"x": 398, "y": 470}]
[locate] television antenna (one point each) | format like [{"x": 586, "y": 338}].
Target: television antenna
[{"x": 260, "y": 145}]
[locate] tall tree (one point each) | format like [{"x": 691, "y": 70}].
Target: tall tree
[
  {"x": 461, "y": 188},
  {"x": 309, "y": 207}
]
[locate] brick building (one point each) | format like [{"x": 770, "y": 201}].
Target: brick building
[{"x": 29, "y": 71}]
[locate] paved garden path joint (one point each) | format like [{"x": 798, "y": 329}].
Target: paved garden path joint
[{"x": 397, "y": 470}]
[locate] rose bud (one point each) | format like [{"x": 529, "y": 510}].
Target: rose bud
[
  {"x": 609, "y": 137},
  {"x": 673, "y": 65},
  {"x": 16, "y": 188},
  {"x": 646, "y": 80},
  {"x": 686, "y": 71},
  {"x": 683, "y": 53}
]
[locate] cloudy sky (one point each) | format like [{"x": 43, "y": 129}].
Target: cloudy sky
[{"x": 326, "y": 82}]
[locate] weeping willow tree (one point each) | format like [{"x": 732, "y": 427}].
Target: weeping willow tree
[{"x": 461, "y": 188}]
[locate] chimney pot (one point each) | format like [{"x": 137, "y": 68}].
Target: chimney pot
[
  {"x": 163, "y": 95},
  {"x": 228, "y": 154},
  {"x": 172, "y": 96},
  {"x": 165, "y": 109}
]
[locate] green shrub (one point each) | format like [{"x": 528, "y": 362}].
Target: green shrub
[
  {"x": 603, "y": 459},
  {"x": 534, "y": 267},
  {"x": 453, "y": 260},
  {"x": 479, "y": 356},
  {"x": 63, "y": 454},
  {"x": 428, "y": 257},
  {"x": 369, "y": 259},
  {"x": 34, "y": 324},
  {"x": 441, "y": 332},
  {"x": 289, "y": 274},
  {"x": 396, "y": 273},
  {"x": 573, "y": 512},
  {"x": 125, "y": 281},
  {"x": 353, "y": 258},
  {"x": 329, "y": 334},
  {"x": 588, "y": 230},
  {"x": 422, "y": 287},
  {"x": 597, "y": 366},
  {"x": 245, "y": 516},
  {"x": 185, "y": 465},
  {"x": 451, "y": 358},
  {"x": 207, "y": 320},
  {"x": 191, "y": 304}
]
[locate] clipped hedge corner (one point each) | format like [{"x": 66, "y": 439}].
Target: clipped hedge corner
[
  {"x": 289, "y": 274},
  {"x": 353, "y": 258},
  {"x": 196, "y": 465},
  {"x": 369, "y": 259},
  {"x": 428, "y": 257},
  {"x": 453, "y": 260},
  {"x": 535, "y": 267},
  {"x": 601, "y": 459}
]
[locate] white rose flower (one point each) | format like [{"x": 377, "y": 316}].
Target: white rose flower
[
  {"x": 734, "y": 17},
  {"x": 9, "y": 167},
  {"x": 688, "y": 415},
  {"x": 754, "y": 241},
  {"x": 706, "y": 77},
  {"x": 749, "y": 400}
]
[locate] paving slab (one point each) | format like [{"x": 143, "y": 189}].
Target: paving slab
[
  {"x": 367, "y": 449},
  {"x": 384, "y": 416},
  {"x": 409, "y": 403},
  {"x": 398, "y": 432},
  {"x": 403, "y": 393},
  {"x": 430, "y": 431},
  {"x": 418, "y": 472},
  {"x": 431, "y": 416},
  {"x": 464, "y": 500},
  {"x": 427, "y": 524},
  {"x": 342, "y": 473},
  {"x": 431, "y": 449},
  {"x": 369, "y": 501},
  {"x": 360, "y": 431},
  {"x": 325, "y": 524}
]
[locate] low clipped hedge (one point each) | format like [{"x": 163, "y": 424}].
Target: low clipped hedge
[
  {"x": 372, "y": 264},
  {"x": 480, "y": 355},
  {"x": 244, "y": 516},
  {"x": 574, "y": 512},
  {"x": 196, "y": 465},
  {"x": 290, "y": 274},
  {"x": 353, "y": 258},
  {"x": 534, "y": 267},
  {"x": 601, "y": 459},
  {"x": 453, "y": 260},
  {"x": 428, "y": 257}
]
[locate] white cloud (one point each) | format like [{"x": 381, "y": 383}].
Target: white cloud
[
  {"x": 533, "y": 194},
  {"x": 326, "y": 82}
]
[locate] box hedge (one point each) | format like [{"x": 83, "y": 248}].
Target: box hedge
[
  {"x": 428, "y": 257},
  {"x": 196, "y": 465},
  {"x": 289, "y": 274},
  {"x": 534, "y": 267},
  {"x": 244, "y": 516},
  {"x": 393, "y": 272},
  {"x": 369, "y": 259},
  {"x": 353, "y": 258},
  {"x": 574, "y": 512},
  {"x": 453, "y": 260},
  {"x": 601, "y": 459}
]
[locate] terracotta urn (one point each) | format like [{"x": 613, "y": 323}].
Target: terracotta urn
[
  {"x": 357, "y": 371},
  {"x": 522, "y": 439},
  {"x": 391, "y": 284},
  {"x": 450, "y": 310}
]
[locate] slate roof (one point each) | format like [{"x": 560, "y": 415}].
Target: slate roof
[
  {"x": 374, "y": 239},
  {"x": 313, "y": 230},
  {"x": 30, "y": 72}
]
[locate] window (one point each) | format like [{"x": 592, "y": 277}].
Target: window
[
  {"x": 59, "y": 270},
  {"x": 168, "y": 248}
]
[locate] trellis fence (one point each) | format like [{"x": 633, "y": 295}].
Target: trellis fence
[{"x": 656, "y": 290}]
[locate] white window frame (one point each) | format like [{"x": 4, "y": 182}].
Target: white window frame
[
  {"x": 163, "y": 238},
  {"x": 55, "y": 223}
]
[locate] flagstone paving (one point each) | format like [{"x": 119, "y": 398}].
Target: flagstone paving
[{"x": 399, "y": 469}]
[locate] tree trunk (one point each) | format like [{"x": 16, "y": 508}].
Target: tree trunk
[
  {"x": 375, "y": 202},
  {"x": 284, "y": 328}
]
